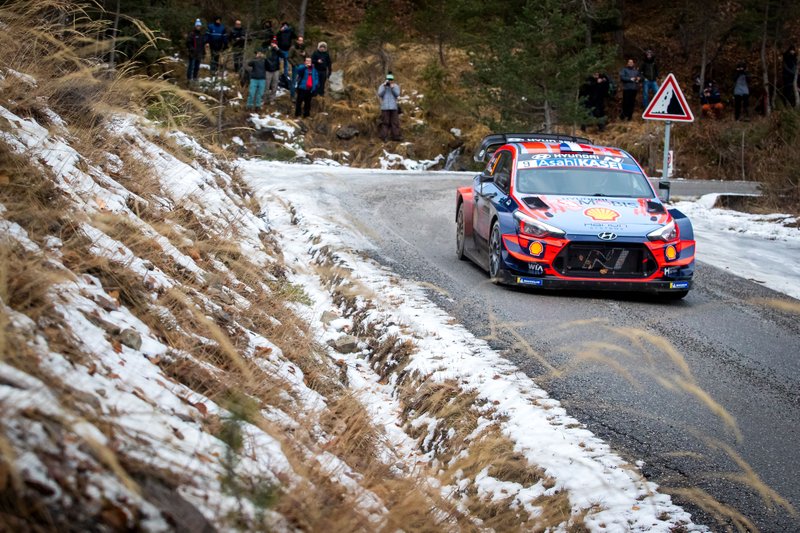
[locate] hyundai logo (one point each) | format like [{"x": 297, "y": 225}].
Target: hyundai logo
[{"x": 607, "y": 236}]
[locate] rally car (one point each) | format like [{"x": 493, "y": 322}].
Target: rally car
[{"x": 558, "y": 212}]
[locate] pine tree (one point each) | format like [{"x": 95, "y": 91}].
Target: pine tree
[{"x": 534, "y": 65}]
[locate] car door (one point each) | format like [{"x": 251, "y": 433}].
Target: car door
[{"x": 490, "y": 194}]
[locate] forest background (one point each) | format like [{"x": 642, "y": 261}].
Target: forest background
[{"x": 517, "y": 65}]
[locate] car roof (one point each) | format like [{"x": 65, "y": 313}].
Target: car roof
[{"x": 542, "y": 143}]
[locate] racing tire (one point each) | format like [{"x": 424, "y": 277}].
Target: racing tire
[
  {"x": 460, "y": 233},
  {"x": 496, "y": 255},
  {"x": 674, "y": 296}
]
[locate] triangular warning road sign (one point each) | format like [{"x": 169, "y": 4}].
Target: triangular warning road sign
[{"x": 669, "y": 103}]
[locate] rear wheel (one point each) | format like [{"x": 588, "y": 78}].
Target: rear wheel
[
  {"x": 460, "y": 232},
  {"x": 495, "y": 254}
]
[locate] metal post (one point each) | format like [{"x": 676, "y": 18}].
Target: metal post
[{"x": 665, "y": 164}]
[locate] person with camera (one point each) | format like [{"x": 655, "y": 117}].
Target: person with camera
[{"x": 388, "y": 93}]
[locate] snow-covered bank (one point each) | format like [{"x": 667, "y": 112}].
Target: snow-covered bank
[{"x": 760, "y": 248}]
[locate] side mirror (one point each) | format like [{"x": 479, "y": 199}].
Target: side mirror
[
  {"x": 486, "y": 177},
  {"x": 663, "y": 190}
]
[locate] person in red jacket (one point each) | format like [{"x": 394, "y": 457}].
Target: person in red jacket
[{"x": 306, "y": 84}]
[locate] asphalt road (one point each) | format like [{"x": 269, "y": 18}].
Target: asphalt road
[{"x": 705, "y": 391}]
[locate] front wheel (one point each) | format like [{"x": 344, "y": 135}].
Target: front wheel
[
  {"x": 495, "y": 254},
  {"x": 460, "y": 233}
]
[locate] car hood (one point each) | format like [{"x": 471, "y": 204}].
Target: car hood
[{"x": 590, "y": 215}]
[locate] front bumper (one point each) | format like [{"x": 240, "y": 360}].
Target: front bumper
[{"x": 548, "y": 282}]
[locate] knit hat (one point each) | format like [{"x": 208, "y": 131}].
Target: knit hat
[
  {"x": 274, "y": 41},
  {"x": 322, "y": 44},
  {"x": 198, "y": 23},
  {"x": 390, "y": 76}
]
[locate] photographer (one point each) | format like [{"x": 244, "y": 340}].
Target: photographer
[{"x": 388, "y": 93}]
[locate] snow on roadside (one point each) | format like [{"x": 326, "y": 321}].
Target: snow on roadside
[
  {"x": 612, "y": 492},
  {"x": 761, "y": 248}
]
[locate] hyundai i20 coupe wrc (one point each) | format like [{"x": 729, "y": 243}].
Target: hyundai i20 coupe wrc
[{"x": 558, "y": 212}]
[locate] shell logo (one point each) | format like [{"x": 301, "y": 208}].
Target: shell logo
[{"x": 602, "y": 213}]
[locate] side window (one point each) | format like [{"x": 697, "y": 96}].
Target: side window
[{"x": 502, "y": 171}]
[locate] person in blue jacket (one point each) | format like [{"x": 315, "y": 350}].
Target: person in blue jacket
[
  {"x": 306, "y": 83},
  {"x": 217, "y": 40}
]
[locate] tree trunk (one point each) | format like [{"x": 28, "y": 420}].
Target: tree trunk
[
  {"x": 440, "y": 39},
  {"x": 764, "y": 65},
  {"x": 548, "y": 117},
  {"x": 386, "y": 59},
  {"x": 703, "y": 61},
  {"x": 301, "y": 25}
]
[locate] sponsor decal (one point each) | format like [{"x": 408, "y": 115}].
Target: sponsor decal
[
  {"x": 605, "y": 226},
  {"x": 577, "y": 162},
  {"x": 536, "y": 248},
  {"x": 679, "y": 285},
  {"x": 602, "y": 213},
  {"x": 530, "y": 281},
  {"x": 536, "y": 269},
  {"x": 588, "y": 200},
  {"x": 670, "y": 252}
]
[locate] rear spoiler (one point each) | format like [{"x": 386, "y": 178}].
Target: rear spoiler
[{"x": 490, "y": 143}]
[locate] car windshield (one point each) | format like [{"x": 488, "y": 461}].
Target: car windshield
[{"x": 583, "y": 182}]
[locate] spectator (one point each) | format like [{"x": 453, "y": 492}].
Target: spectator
[
  {"x": 237, "y": 38},
  {"x": 741, "y": 92},
  {"x": 322, "y": 63},
  {"x": 594, "y": 93},
  {"x": 789, "y": 75},
  {"x": 217, "y": 41},
  {"x": 285, "y": 37},
  {"x": 307, "y": 82},
  {"x": 195, "y": 47},
  {"x": 297, "y": 57},
  {"x": 649, "y": 78},
  {"x": 388, "y": 93},
  {"x": 630, "y": 78},
  {"x": 711, "y": 101},
  {"x": 258, "y": 75},
  {"x": 268, "y": 33},
  {"x": 273, "y": 67}
]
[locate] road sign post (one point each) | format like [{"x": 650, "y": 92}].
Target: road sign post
[
  {"x": 668, "y": 105},
  {"x": 665, "y": 166}
]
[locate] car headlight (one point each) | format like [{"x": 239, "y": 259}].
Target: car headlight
[
  {"x": 536, "y": 228},
  {"x": 666, "y": 234}
]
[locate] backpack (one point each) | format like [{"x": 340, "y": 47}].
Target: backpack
[{"x": 283, "y": 81}]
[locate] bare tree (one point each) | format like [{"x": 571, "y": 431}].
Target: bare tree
[
  {"x": 301, "y": 25},
  {"x": 764, "y": 65}
]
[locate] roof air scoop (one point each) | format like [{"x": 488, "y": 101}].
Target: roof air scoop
[
  {"x": 534, "y": 202},
  {"x": 655, "y": 207}
]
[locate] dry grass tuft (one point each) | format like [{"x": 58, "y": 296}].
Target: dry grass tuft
[{"x": 724, "y": 514}]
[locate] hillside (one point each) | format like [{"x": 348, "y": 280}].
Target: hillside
[{"x": 454, "y": 78}]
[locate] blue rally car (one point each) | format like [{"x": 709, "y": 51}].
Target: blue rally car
[{"x": 554, "y": 211}]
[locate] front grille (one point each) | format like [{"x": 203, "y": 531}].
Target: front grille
[{"x": 605, "y": 260}]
